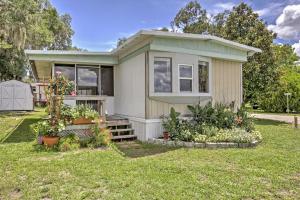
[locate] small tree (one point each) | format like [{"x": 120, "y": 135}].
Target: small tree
[{"x": 55, "y": 96}]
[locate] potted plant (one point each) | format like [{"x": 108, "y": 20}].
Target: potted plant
[
  {"x": 47, "y": 131},
  {"x": 83, "y": 114}
]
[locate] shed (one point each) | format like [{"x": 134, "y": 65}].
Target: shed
[{"x": 15, "y": 96}]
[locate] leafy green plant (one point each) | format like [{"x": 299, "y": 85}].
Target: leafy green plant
[
  {"x": 235, "y": 135},
  {"x": 69, "y": 142},
  {"x": 209, "y": 130},
  {"x": 83, "y": 111},
  {"x": 219, "y": 115},
  {"x": 47, "y": 128},
  {"x": 171, "y": 123},
  {"x": 66, "y": 113},
  {"x": 200, "y": 138},
  {"x": 70, "y": 88},
  {"x": 243, "y": 120},
  {"x": 274, "y": 99},
  {"x": 101, "y": 137}
]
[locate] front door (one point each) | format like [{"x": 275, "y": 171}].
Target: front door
[{"x": 107, "y": 80}]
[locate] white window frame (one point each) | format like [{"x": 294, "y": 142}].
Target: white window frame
[
  {"x": 210, "y": 88},
  {"x": 185, "y": 78}
]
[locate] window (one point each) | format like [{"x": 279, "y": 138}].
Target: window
[
  {"x": 186, "y": 78},
  {"x": 107, "y": 80},
  {"x": 87, "y": 80},
  {"x": 68, "y": 71},
  {"x": 162, "y": 75},
  {"x": 203, "y": 77}
]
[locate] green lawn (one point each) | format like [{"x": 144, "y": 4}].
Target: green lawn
[{"x": 139, "y": 171}]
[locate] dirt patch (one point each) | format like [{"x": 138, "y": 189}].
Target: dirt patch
[
  {"x": 296, "y": 177},
  {"x": 285, "y": 194},
  {"x": 15, "y": 194}
]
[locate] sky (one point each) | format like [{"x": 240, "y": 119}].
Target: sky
[{"x": 99, "y": 23}]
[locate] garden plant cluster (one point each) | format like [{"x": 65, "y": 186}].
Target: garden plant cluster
[
  {"x": 60, "y": 115},
  {"x": 218, "y": 123}
]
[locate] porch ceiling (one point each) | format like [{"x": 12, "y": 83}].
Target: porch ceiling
[{"x": 43, "y": 70}]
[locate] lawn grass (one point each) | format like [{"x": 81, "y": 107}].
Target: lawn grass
[
  {"x": 135, "y": 170},
  {"x": 14, "y": 126}
]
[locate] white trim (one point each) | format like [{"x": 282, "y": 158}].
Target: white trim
[
  {"x": 181, "y": 94},
  {"x": 187, "y": 36},
  {"x": 185, "y": 78},
  {"x": 241, "y": 82},
  {"x": 53, "y": 68},
  {"x": 100, "y": 79},
  {"x": 58, "y": 52},
  {"x": 129, "y": 41},
  {"x": 139, "y": 119}
]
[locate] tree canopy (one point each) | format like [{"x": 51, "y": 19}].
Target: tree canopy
[
  {"x": 29, "y": 24},
  {"x": 241, "y": 24}
]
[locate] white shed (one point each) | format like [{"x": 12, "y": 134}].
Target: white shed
[{"x": 15, "y": 95}]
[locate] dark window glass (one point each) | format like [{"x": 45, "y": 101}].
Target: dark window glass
[
  {"x": 67, "y": 71},
  {"x": 87, "y": 80},
  {"x": 107, "y": 80},
  {"x": 186, "y": 85},
  {"x": 162, "y": 75},
  {"x": 186, "y": 71},
  {"x": 203, "y": 77}
]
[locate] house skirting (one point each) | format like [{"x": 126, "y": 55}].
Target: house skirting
[{"x": 145, "y": 129}]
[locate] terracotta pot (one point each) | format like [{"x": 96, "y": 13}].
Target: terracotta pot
[
  {"x": 50, "y": 141},
  {"x": 81, "y": 121},
  {"x": 166, "y": 135}
]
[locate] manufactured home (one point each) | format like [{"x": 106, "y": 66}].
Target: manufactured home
[{"x": 150, "y": 73}]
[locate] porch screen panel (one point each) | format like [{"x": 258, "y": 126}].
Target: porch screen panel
[
  {"x": 87, "y": 80},
  {"x": 162, "y": 75},
  {"x": 107, "y": 80},
  {"x": 68, "y": 71}
]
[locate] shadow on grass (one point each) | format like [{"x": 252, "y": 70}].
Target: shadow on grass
[
  {"x": 266, "y": 122},
  {"x": 134, "y": 149},
  {"x": 22, "y": 133}
]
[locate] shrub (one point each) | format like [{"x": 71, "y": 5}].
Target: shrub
[
  {"x": 235, "y": 135},
  {"x": 69, "y": 142},
  {"x": 209, "y": 130},
  {"x": 220, "y": 116},
  {"x": 185, "y": 135},
  {"x": 215, "y": 124},
  {"x": 171, "y": 123},
  {"x": 243, "y": 120},
  {"x": 274, "y": 99},
  {"x": 101, "y": 137},
  {"x": 200, "y": 138}
]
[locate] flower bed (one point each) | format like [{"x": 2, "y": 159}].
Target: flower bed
[{"x": 211, "y": 126}]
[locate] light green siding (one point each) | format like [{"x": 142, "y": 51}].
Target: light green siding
[{"x": 207, "y": 48}]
